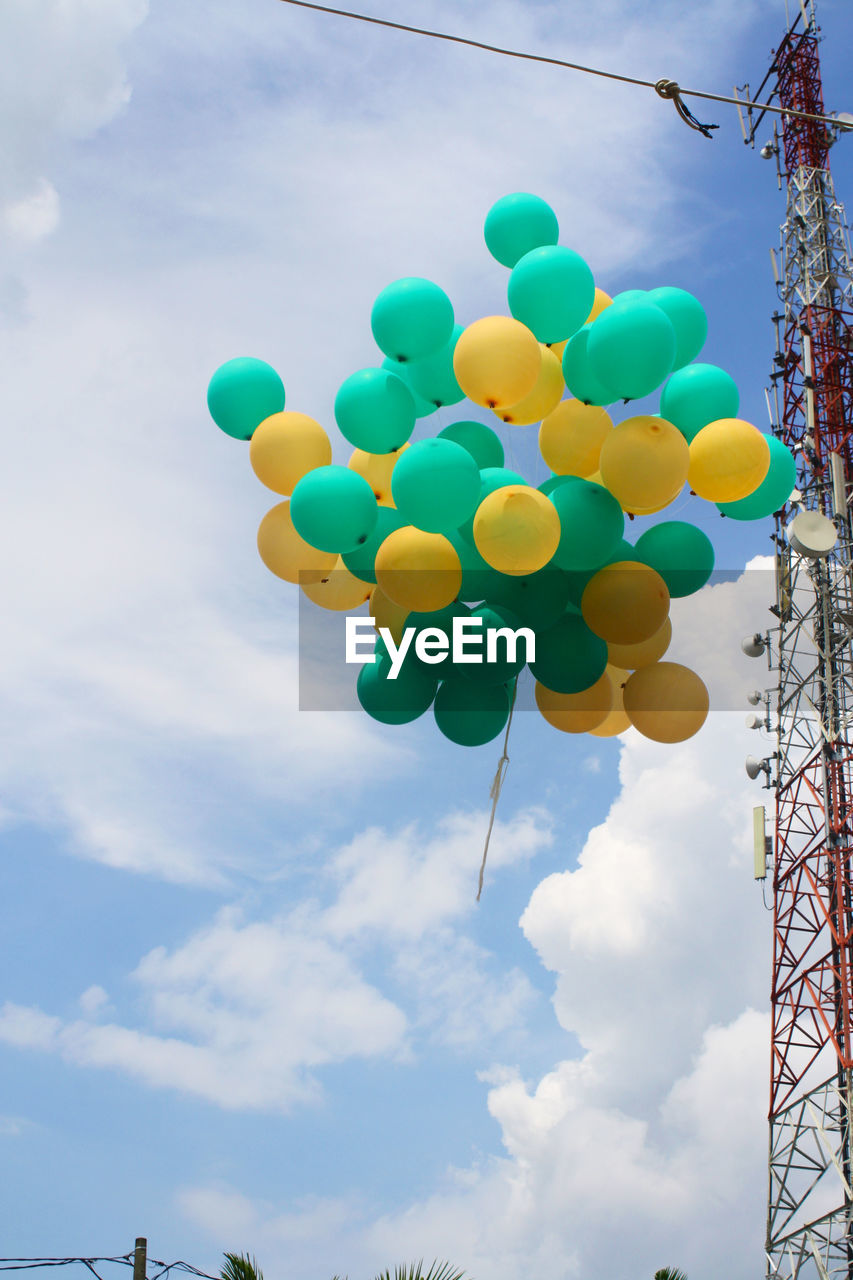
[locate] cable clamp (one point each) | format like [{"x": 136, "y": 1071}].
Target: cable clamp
[{"x": 672, "y": 90}]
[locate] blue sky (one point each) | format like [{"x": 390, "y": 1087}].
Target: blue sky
[{"x": 249, "y": 1001}]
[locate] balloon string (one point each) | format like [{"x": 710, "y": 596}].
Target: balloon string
[{"x": 495, "y": 790}]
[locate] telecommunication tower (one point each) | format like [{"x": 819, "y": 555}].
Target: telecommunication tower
[{"x": 810, "y": 1200}]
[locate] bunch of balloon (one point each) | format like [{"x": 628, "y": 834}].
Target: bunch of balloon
[{"x": 440, "y": 538}]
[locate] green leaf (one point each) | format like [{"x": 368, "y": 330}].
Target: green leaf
[{"x": 238, "y": 1266}]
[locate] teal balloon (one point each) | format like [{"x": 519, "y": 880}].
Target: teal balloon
[
  {"x": 242, "y": 393},
  {"x": 536, "y": 599},
  {"x": 375, "y": 411},
  {"x": 396, "y": 701},
  {"x": 687, "y": 317},
  {"x": 577, "y": 579},
  {"x": 578, "y": 374},
  {"x": 548, "y": 486},
  {"x": 479, "y": 579},
  {"x": 481, "y": 442},
  {"x": 627, "y": 295},
  {"x": 517, "y": 223},
  {"x": 510, "y": 656},
  {"x": 411, "y": 319},
  {"x": 569, "y": 657},
  {"x": 551, "y": 290},
  {"x": 423, "y": 408},
  {"x": 433, "y": 377},
  {"x": 334, "y": 509},
  {"x": 435, "y": 485},
  {"x": 362, "y": 561},
  {"x": 437, "y": 620},
  {"x": 682, "y": 554},
  {"x": 774, "y": 490},
  {"x": 471, "y": 714},
  {"x": 631, "y": 348},
  {"x": 697, "y": 395},
  {"x": 591, "y": 523},
  {"x": 491, "y": 478}
]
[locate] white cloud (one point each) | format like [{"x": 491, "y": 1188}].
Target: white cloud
[
  {"x": 253, "y": 1009},
  {"x": 245, "y": 1014},
  {"x": 62, "y": 77},
  {"x": 651, "y": 1144}
]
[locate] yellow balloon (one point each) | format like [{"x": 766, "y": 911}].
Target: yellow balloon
[
  {"x": 286, "y": 554},
  {"x": 544, "y": 397},
  {"x": 417, "y": 570},
  {"x": 602, "y": 301},
  {"x": 558, "y": 348},
  {"x": 728, "y": 460},
  {"x": 516, "y": 529},
  {"x": 617, "y": 721},
  {"x": 644, "y": 463},
  {"x": 625, "y": 602},
  {"x": 571, "y": 437},
  {"x": 666, "y": 702},
  {"x": 376, "y": 469},
  {"x": 385, "y": 613},
  {"x": 497, "y": 361},
  {"x": 338, "y": 590},
  {"x": 576, "y": 712},
  {"x": 643, "y": 654},
  {"x": 285, "y": 447}
]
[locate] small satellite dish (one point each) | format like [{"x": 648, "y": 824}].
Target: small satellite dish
[
  {"x": 753, "y": 646},
  {"x": 753, "y": 767},
  {"x": 812, "y": 535},
  {"x": 754, "y": 698},
  {"x": 753, "y": 721},
  {"x": 844, "y": 120}
]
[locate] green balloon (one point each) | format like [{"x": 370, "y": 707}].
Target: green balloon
[
  {"x": 471, "y": 714},
  {"x": 696, "y": 395},
  {"x": 440, "y": 620},
  {"x": 517, "y": 223},
  {"x": 242, "y": 393},
  {"x": 774, "y": 490},
  {"x": 682, "y": 554},
  {"x": 631, "y": 348},
  {"x": 569, "y": 657},
  {"x": 578, "y": 374},
  {"x": 627, "y": 295},
  {"x": 433, "y": 377},
  {"x": 481, "y": 442},
  {"x": 478, "y": 577},
  {"x": 551, "y": 290},
  {"x": 491, "y": 478},
  {"x": 423, "y": 408},
  {"x": 537, "y": 599},
  {"x": 411, "y": 319},
  {"x": 397, "y": 701},
  {"x": 591, "y": 523},
  {"x": 508, "y": 660},
  {"x": 362, "y": 561},
  {"x": 578, "y": 579},
  {"x": 375, "y": 411},
  {"x": 334, "y": 509},
  {"x": 435, "y": 485},
  {"x": 688, "y": 319}
]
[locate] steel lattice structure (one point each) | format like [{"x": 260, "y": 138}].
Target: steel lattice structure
[{"x": 810, "y": 1201}]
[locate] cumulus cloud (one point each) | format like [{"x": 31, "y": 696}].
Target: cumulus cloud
[
  {"x": 650, "y": 1144},
  {"x": 62, "y": 77},
  {"x": 246, "y": 1013}
]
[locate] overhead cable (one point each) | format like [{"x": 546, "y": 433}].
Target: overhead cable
[{"x": 665, "y": 88}]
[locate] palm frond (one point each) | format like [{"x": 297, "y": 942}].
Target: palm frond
[
  {"x": 238, "y": 1266},
  {"x": 415, "y": 1271},
  {"x": 670, "y": 1273}
]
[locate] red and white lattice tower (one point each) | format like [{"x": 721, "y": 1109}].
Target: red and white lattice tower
[{"x": 810, "y": 1202}]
